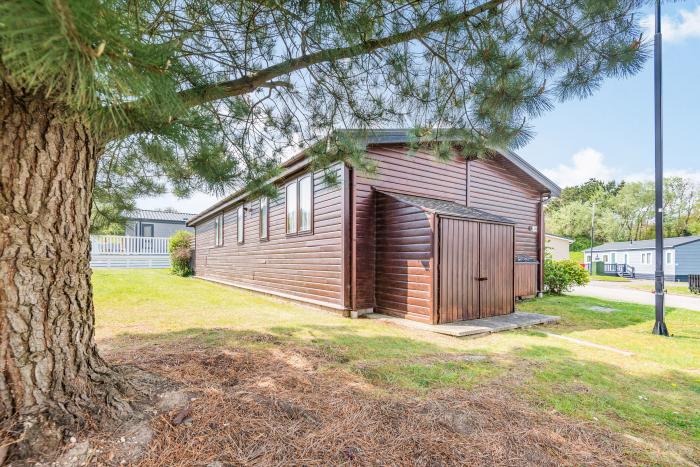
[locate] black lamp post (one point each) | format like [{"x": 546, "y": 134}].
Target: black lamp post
[
  {"x": 660, "y": 325},
  {"x": 590, "y": 266}
]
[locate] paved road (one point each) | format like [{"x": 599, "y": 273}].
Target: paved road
[{"x": 617, "y": 292}]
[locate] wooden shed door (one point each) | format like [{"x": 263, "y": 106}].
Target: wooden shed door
[
  {"x": 496, "y": 263},
  {"x": 476, "y": 270}
]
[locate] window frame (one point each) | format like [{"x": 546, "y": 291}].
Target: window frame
[
  {"x": 149, "y": 224},
  {"x": 286, "y": 208},
  {"x": 264, "y": 200},
  {"x": 669, "y": 257},
  {"x": 240, "y": 224},
  {"x": 311, "y": 204},
  {"x": 297, "y": 200},
  {"x": 219, "y": 230}
]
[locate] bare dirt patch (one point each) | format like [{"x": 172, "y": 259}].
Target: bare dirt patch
[{"x": 293, "y": 405}]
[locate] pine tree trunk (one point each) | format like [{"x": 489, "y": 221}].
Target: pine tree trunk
[{"x": 51, "y": 375}]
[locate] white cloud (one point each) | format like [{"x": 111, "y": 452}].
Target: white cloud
[
  {"x": 585, "y": 164},
  {"x": 194, "y": 204},
  {"x": 685, "y": 25},
  {"x": 589, "y": 163},
  {"x": 648, "y": 175}
]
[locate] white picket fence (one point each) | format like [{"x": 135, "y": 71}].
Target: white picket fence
[{"x": 117, "y": 251}]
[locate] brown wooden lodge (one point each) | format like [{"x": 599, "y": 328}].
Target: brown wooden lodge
[{"x": 423, "y": 239}]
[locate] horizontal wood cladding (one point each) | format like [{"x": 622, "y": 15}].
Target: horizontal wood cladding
[
  {"x": 403, "y": 258},
  {"x": 308, "y": 266},
  {"x": 398, "y": 170},
  {"x": 496, "y": 185},
  {"x": 525, "y": 279}
]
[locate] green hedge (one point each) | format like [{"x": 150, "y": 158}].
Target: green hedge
[
  {"x": 181, "y": 253},
  {"x": 561, "y": 276}
]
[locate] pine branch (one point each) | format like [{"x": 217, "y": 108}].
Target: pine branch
[{"x": 199, "y": 95}]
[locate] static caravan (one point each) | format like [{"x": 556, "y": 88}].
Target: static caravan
[{"x": 637, "y": 259}]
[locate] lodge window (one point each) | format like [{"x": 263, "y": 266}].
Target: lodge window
[
  {"x": 264, "y": 218},
  {"x": 668, "y": 257},
  {"x": 588, "y": 258},
  {"x": 219, "y": 230},
  {"x": 299, "y": 205},
  {"x": 240, "y": 219}
]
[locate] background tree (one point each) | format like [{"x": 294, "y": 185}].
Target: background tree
[
  {"x": 681, "y": 199},
  {"x": 96, "y": 96},
  {"x": 625, "y": 211}
]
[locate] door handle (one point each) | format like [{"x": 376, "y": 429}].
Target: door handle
[{"x": 482, "y": 279}]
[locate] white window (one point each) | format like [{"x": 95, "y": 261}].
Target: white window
[
  {"x": 605, "y": 258},
  {"x": 292, "y": 207},
  {"x": 612, "y": 257},
  {"x": 588, "y": 258},
  {"x": 626, "y": 258},
  {"x": 669, "y": 257},
  {"x": 299, "y": 200},
  {"x": 219, "y": 230},
  {"x": 305, "y": 200},
  {"x": 264, "y": 217},
  {"x": 646, "y": 258},
  {"x": 240, "y": 221}
]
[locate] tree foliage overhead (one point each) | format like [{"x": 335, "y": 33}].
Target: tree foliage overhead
[
  {"x": 205, "y": 94},
  {"x": 624, "y": 211}
]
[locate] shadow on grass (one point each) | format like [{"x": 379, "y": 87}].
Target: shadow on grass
[
  {"x": 547, "y": 373},
  {"x": 666, "y": 405}
]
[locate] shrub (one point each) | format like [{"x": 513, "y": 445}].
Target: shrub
[
  {"x": 560, "y": 276},
  {"x": 180, "y": 249}
]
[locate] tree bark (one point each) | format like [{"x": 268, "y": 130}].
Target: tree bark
[{"x": 51, "y": 375}]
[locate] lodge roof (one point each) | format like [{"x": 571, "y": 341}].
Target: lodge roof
[
  {"x": 374, "y": 137},
  {"x": 448, "y": 208},
  {"x": 151, "y": 214}
]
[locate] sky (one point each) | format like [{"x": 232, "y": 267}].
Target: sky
[{"x": 609, "y": 135}]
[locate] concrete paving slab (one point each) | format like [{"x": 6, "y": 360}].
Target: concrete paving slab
[{"x": 472, "y": 327}]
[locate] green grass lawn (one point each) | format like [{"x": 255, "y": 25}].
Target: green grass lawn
[{"x": 653, "y": 395}]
